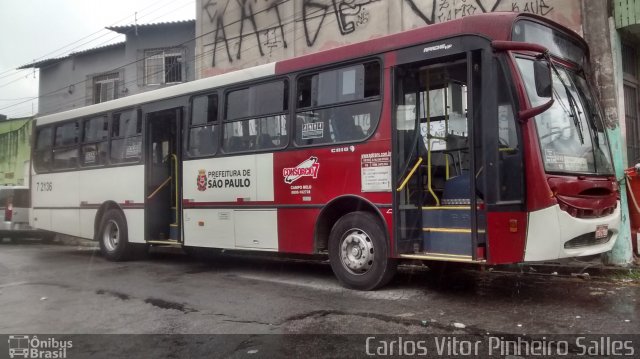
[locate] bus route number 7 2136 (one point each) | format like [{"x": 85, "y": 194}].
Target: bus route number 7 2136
[{"x": 44, "y": 187}]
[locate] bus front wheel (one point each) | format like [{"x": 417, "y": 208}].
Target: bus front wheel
[
  {"x": 113, "y": 236},
  {"x": 359, "y": 252}
]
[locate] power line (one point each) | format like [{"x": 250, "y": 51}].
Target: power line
[
  {"x": 278, "y": 24},
  {"x": 152, "y": 4},
  {"x": 103, "y": 43},
  {"x": 33, "y": 98}
]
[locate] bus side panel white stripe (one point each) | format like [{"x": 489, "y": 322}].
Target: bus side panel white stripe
[
  {"x": 135, "y": 225},
  {"x": 227, "y": 179},
  {"x": 87, "y": 220},
  {"x": 66, "y": 221},
  {"x": 257, "y": 229},
  {"x": 209, "y": 228}
]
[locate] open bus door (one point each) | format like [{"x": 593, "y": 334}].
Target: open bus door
[
  {"x": 446, "y": 145},
  {"x": 162, "y": 182}
]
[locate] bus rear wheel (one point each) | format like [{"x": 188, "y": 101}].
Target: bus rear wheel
[
  {"x": 113, "y": 236},
  {"x": 359, "y": 253}
]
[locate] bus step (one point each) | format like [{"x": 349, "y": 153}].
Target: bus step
[
  {"x": 450, "y": 217},
  {"x": 454, "y": 241},
  {"x": 427, "y": 256},
  {"x": 166, "y": 242}
]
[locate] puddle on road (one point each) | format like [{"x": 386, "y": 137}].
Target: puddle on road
[
  {"x": 160, "y": 303},
  {"x": 112, "y": 293}
]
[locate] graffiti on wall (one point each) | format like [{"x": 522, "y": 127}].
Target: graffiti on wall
[
  {"x": 350, "y": 14},
  {"x": 235, "y": 22},
  {"x": 270, "y": 30},
  {"x": 435, "y": 11},
  {"x": 246, "y": 12}
]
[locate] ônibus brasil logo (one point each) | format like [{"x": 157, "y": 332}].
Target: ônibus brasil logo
[
  {"x": 26, "y": 346},
  {"x": 307, "y": 168}
]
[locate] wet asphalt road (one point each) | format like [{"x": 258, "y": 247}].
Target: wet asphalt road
[{"x": 68, "y": 289}]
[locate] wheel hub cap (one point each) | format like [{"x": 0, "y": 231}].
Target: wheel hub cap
[
  {"x": 111, "y": 236},
  {"x": 357, "y": 252}
]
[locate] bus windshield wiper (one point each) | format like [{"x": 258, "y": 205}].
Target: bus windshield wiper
[{"x": 572, "y": 103}]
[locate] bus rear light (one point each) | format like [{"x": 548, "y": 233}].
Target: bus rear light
[
  {"x": 8, "y": 213},
  {"x": 513, "y": 225}
]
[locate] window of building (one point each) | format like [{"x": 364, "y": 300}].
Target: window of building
[
  {"x": 106, "y": 87},
  {"x": 164, "y": 66},
  {"x": 94, "y": 148},
  {"x": 256, "y": 118},
  {"x": 340, "y": 105},
  {"x": 203, "y": 132},
  {"x": 126, "y": 137}
]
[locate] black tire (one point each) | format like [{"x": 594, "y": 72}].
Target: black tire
[
  {"x": 359, "y": 252},
  {"x": 114, "y": 224}
]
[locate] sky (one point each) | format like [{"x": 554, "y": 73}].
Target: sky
[{"x": 42, "y": 29}]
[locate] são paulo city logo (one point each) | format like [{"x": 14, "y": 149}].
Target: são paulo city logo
[
  {"x": 307, "y": 168},
  {"x": 202, "y": 180}
]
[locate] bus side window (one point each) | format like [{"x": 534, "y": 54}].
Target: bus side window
[
  {"x": 65, "y": 146},
  {"x": 42, "y": 156},
  {"x": 126, "y": 137},
  {"x": 94, "y": 142},
  {"x": 203, "y": 130},
  {"x": 338, "y": 106},
  {"x": 256, "y": 118}
]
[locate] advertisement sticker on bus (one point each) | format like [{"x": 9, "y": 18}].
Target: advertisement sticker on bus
[
  {"x": 307, "y": 168},
  {"x": 375, "y": 170},
  {"x": 312, "y": 130}
]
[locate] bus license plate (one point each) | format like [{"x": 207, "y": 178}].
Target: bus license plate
[{"x": 602, "y": 231}]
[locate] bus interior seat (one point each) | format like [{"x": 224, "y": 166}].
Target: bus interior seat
[
  {"x": 457, "y": 190},
  {"x": 264, "y": 142},
  {"x": 235, "y": 144}
]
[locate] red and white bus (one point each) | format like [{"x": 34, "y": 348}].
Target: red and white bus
[{"x": 476, "y": 140}]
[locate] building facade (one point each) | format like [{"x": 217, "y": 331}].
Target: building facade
[{"x": 152, "y": 56}]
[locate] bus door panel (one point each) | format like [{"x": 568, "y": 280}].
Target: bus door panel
[
  {"x": 162, "y": 175},
  {"x": 438, "y": 146}
]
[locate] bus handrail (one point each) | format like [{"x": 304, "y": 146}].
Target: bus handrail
[
  {"x": 176, "y": 185},
  {"x": 413, "y": 170},
  {"x": 162, "y": 185}
]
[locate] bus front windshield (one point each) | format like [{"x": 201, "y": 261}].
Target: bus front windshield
[{"x": 571, "y": 133}]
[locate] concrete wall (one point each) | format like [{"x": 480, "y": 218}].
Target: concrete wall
[
  {"x": 234, "y": 34},
  {"x": 62, "y": 85}
]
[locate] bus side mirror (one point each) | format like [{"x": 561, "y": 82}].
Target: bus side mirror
[{"x": 542, "y": 76}]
